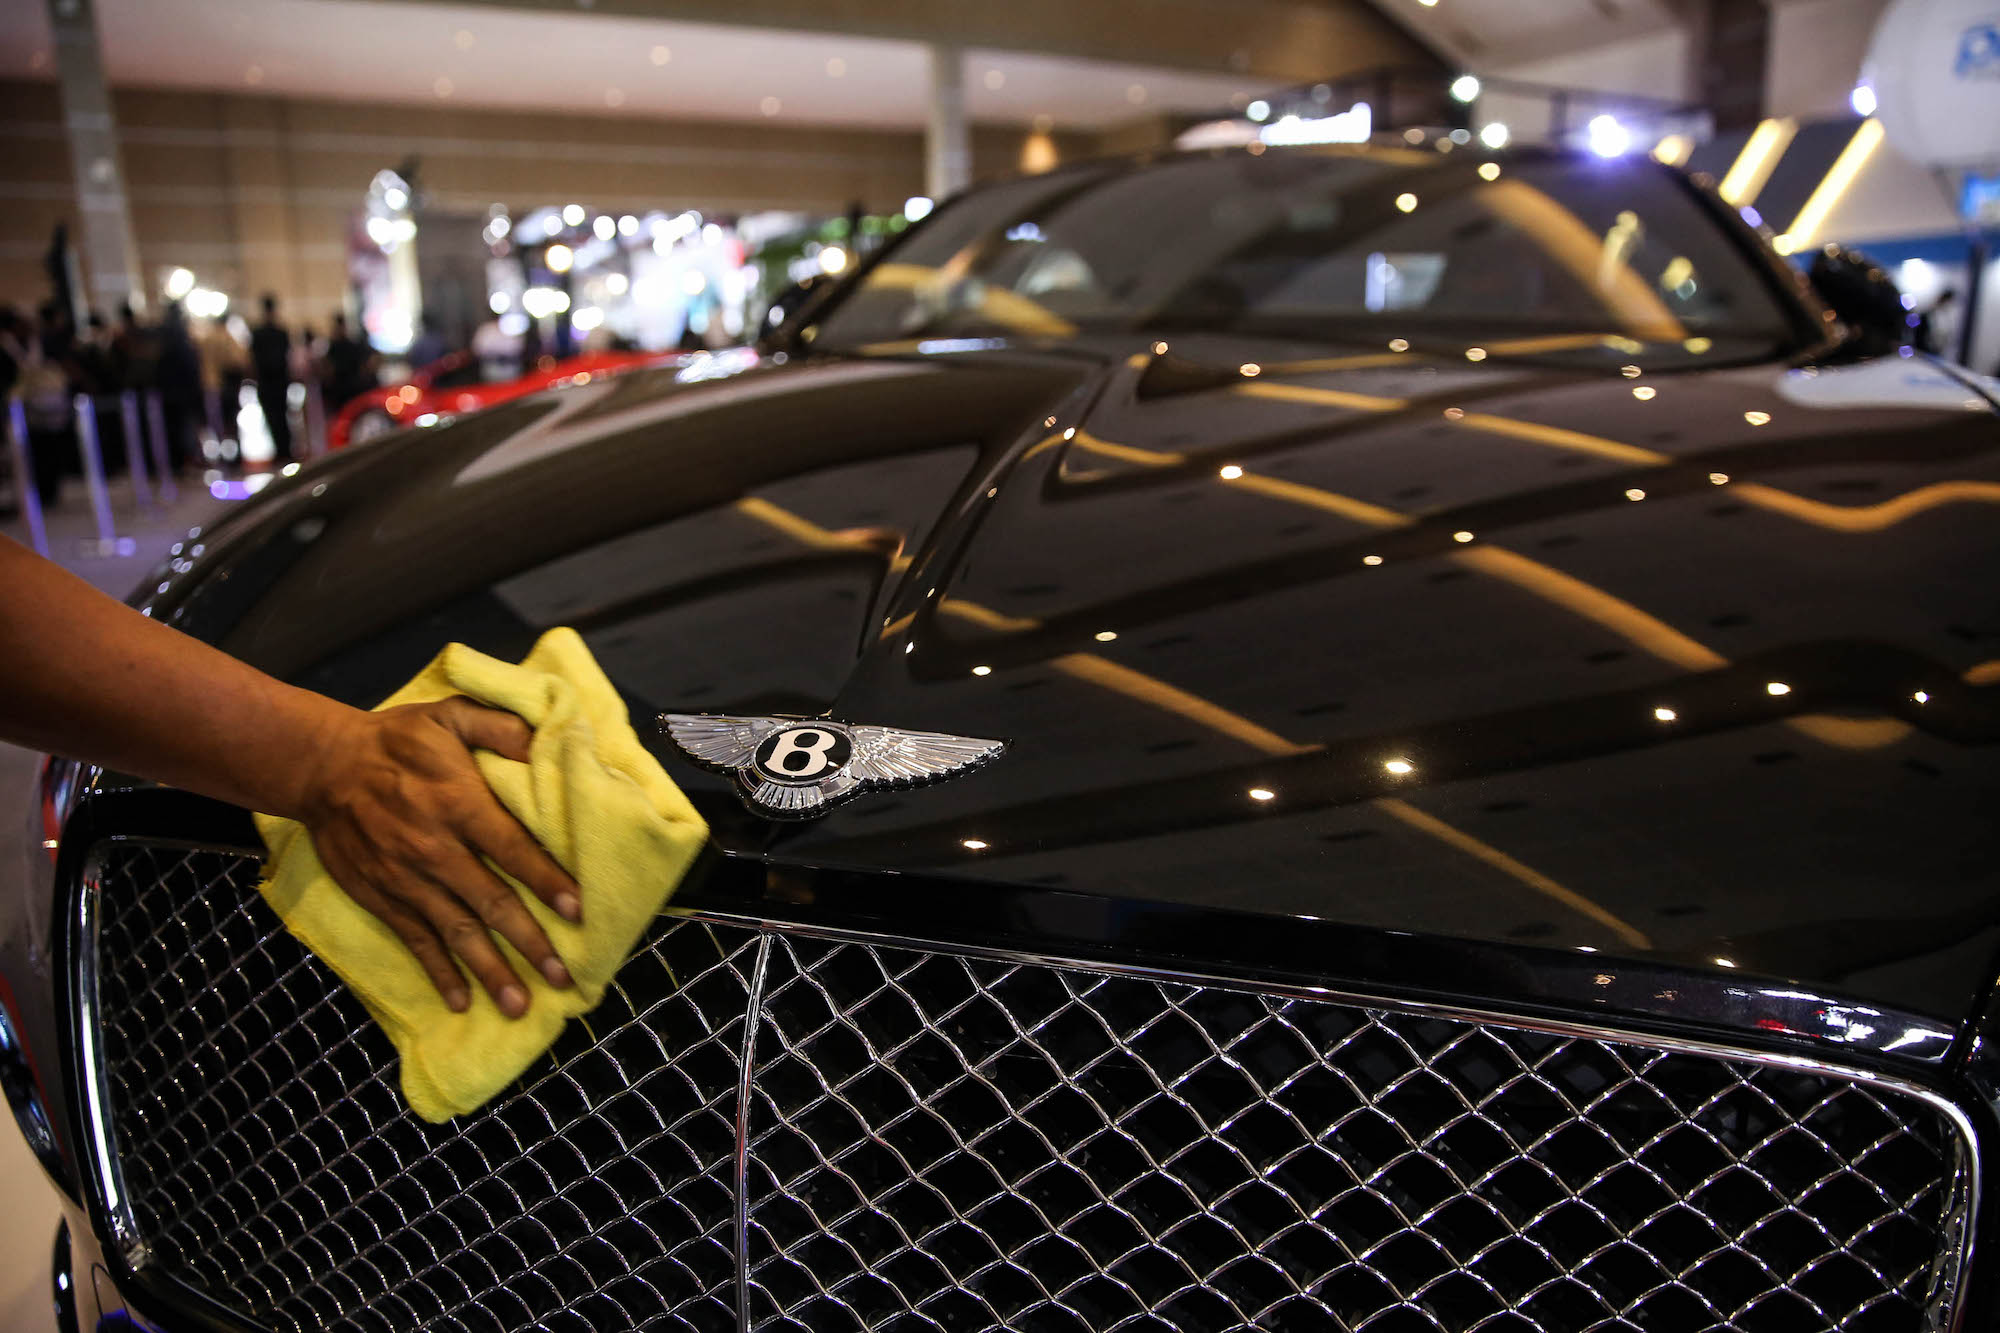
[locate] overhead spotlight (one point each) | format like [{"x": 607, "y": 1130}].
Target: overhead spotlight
[
  {"x": 1494, "y": 135},
  {"x": 1607, "y": 137},
  {"x": 605, "y": 227},
  {"x": 572, "y": 215},
  {"x": 917, "y": 206},
  {"x": 1465, "y": 88},
  {"x": 1862, "y": 99},
  {"x": 1259, "y": 110},
  {"x": 559, "y": 258}
]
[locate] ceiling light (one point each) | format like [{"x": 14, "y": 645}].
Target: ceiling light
[
  {"x": 1719, "y": 478},
  {"x": 559, "y": 258},
  {"x": 917, "y": 206},
  {"x": 604, "y": 226},
  {"x": 832, "y": 259},
  {"x": 1635, "y": 494},
  {"x": 1777, "y": 687},
  {"x": 1258, "y": 110},
  {"x": 1263, "y": 794},
  {"x": 1250, "y": 370},
  {"x": 1475, "y": 354},
  {"x": 1371, "y": 559},
  {"x": 1665, "y": 714},
  {"x": 1495, "y": 135},
  {"x": 1606, "y": 137},
  {"x": 1400, "y": 767},
  {"x": 1399, "y": 344},
  {"x": 1758, "y": 418},
  {"x": 1862, "y": 99},
  {"x": 572, "y": 215},
  {"x": 982, "y": 671},
  {"x": 1406, "y": 202},
  {"x": 1922, "y": 696},
  {"x": 660, "y": 55},
  {"x": 179, "y": 283},
  {"x": 1461, "y": 536},
  {"x": 1489, "y": 171},
  {"x": 1644, "y": 392},
  {"x": 617, "y": 283},
  {"x": 1106, "y": 635},
  {"x": 1465, "y": 88},
  {"x": 974, "y": 845},
  {"x": 1231, "y": 472}
]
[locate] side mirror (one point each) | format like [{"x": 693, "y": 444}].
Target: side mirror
[
  {"x": 1860, "y": 293},
  {"x": 789, "y": 300}
]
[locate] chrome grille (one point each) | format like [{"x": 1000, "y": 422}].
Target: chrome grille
[{"x": 942, "y": 1141}]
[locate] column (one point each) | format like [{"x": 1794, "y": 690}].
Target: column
[
  {"x": 947, "y": 146},
  {"x": 109, "y": 257}
]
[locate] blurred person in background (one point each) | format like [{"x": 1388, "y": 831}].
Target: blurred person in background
[
  {"x": 135, "y": 351},
  {"x": 271, "y": 362},
  {"x": 350, "y": 366},
  {"x": 428, "y": 346},
  {"x": 1937, "y": 328},
  {"x": 180, "y": 385},
  {"x": 224, "y": 367},
  {"x": 45, "y": 392}
]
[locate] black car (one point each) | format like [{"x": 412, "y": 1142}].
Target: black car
[{"x": 1497, "y": 827}]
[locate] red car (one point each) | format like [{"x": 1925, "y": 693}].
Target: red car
[{"x": 452, "y": 384}]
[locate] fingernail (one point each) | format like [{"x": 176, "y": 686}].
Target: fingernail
[
  {"x": 568, "y": 907},
  {"x": 457, "y": 1001},
  {"x": 557, "y": 974},
  {"x": 513, "y": 1001}
]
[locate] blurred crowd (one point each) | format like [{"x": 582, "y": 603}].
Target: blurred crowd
[{"x": 187, "y": 375}]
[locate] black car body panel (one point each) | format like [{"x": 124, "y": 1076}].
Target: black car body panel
[
  {"x": 1560, "y": 676},
  {"x": 872, "y": 551}
]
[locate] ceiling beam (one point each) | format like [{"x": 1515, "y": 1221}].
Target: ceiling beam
[{"x": 1284, "y": 41}]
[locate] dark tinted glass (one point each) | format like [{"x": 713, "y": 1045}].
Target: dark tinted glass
[{"x": 1300, "y": 244}]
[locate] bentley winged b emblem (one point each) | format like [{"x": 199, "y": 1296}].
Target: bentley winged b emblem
[{"x": 799, "y": 767}]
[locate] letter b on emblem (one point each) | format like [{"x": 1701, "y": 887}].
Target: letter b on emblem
[{"x": 803, "y": 754}]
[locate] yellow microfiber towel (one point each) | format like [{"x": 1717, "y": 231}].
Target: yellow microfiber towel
[{"x": 590, "y": 793}]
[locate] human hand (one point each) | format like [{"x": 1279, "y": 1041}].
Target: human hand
[{"x": 400, "y": 817}]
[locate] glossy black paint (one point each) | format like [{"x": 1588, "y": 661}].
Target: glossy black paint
[
  {"x": 858, "y": 534},
  {"x": 1217, "y": 588}
]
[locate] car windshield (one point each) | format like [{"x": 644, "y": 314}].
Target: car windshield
[{"x": 1330, "y": 245}]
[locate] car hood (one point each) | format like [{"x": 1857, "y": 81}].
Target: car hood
[{"x": 1696, "y": 666}]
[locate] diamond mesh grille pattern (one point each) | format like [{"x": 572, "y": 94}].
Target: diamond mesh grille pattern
[
  {"x": 944, "y": 1142},
  {"x": 271, "y": 1162}
]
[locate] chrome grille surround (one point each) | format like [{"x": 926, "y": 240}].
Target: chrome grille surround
[{"x": 916, "y": 1136}]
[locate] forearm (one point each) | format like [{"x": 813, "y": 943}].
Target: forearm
[{"x": 92, "y": 679}]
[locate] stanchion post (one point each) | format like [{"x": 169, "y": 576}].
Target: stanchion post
[
  {"x": 315, "y": 420},
  {"x": 26, "y": 495},
  {"x": 93, "y": 472},
  {"x": 163, "y": 463},
  {"x": 211, "y": 402},
  {"x": 135, "y": 448}
]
